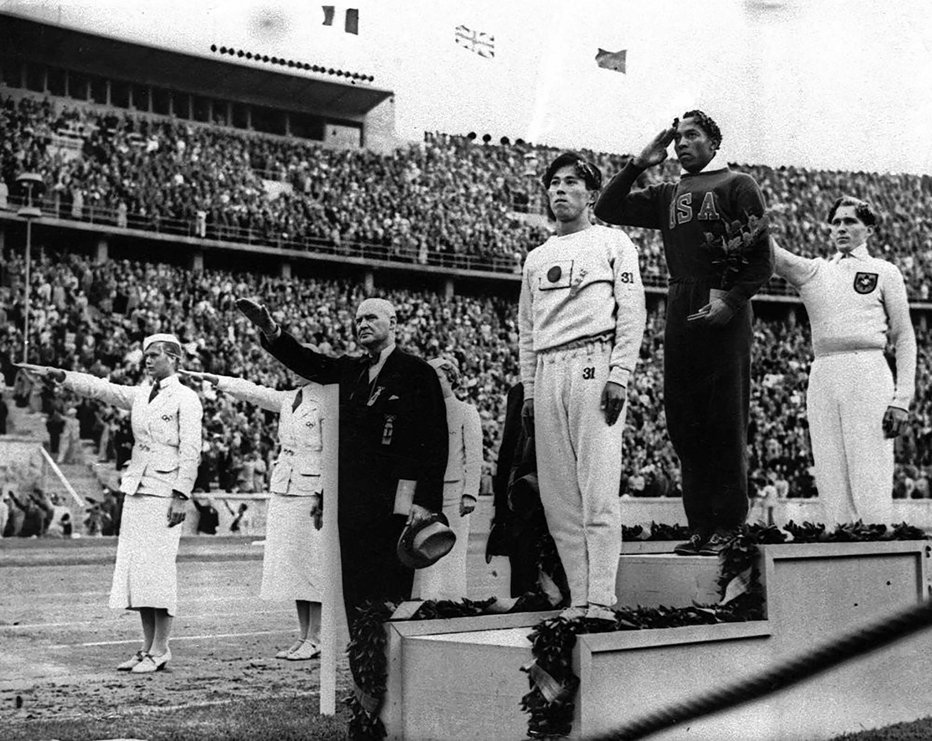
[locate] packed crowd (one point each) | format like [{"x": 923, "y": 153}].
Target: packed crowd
[
  {"x": 93, "y": 317},
  {"x": 447, "y": 199}
]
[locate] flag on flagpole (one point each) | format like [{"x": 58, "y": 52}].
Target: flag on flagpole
[
  {"x": 351, "y": 25},
  {"x": 350, "y": 22},
  {"x": 613, "y": 60},
  {"x": 478, "y": 42}
]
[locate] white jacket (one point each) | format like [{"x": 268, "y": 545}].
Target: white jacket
[
  {"x": 464, "y": 462},
  {"x": 167, "y": 450},
  {"x": 296, "y": 472}
]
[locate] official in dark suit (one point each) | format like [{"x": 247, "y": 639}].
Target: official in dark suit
[{"x": 393, "y": 445}]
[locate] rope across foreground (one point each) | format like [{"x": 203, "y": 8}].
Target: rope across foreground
[{"x": 783, "y": 675}]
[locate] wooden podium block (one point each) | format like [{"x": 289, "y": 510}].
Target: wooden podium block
[
  {"x": 654, "y": 579},
  {"x": 461, "y": 678}
]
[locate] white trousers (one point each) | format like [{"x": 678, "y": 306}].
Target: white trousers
[
  {"x": 848, "y": 395},
  {"x": 446, "y": 579},
  {"x": 579, "y": 468}
]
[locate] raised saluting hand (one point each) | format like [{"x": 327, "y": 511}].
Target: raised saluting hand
[
  {"x": 656, "y": 152},
  {"x": 42, "y": 371}
]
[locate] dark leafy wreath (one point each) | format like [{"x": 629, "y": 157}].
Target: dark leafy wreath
[
  {"x": 550, "y": 701},
  {"x": 366, "y": 650}
]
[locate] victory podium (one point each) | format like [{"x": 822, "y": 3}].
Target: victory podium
[{"x": 461, "y": 679}]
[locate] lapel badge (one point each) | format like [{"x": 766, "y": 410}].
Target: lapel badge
[{"x": 375, "y": 395}]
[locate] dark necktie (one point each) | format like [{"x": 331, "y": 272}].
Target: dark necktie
[
  {"x": 154, "y": 392},
  {"x": 297, "y": 400}
]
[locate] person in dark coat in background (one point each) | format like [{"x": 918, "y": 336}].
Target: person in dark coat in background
[
  {"x": 505, "y": 533},
  {"x": 208, "y": 517},
  {"x": 55, "y": 424},
  {"x": 392, "y": 451},
  {"x": 519, "y": 527}
]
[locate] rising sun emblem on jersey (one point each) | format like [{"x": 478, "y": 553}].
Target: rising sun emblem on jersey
[{"x": 865, "y": 282}]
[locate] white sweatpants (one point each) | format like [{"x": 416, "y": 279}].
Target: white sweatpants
[
  {"x": 848, "y": 395},
  {"x": 579, "y": 468},
  {"x": 446, "y": 579}
]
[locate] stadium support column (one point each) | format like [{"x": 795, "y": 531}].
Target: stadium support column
[
  {"x": 284, "y": 269},
  {"x": 103, "y": 251},
  {"x": 197, "y": 261},
  {"x": 368, "y": 283},
  {"x": 449, "y": 289}
]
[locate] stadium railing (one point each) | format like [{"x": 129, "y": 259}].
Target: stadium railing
[{"x": 219, "y": 234}]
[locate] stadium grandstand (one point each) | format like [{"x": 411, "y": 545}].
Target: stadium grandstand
[{"x": 183, "y": 182}]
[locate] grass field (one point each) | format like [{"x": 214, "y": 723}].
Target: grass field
[{"x": 59, "y": 643}]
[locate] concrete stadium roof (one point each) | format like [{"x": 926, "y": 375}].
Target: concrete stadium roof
[{"x": 216, "y": 78}]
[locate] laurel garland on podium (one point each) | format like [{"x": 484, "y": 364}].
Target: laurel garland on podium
[{"x": 553, "y": 685}]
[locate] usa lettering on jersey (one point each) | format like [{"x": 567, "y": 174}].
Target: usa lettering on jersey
[{"x": 681, "y": 209}]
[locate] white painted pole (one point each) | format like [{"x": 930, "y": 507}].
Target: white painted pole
[{"x": 333, "y": 629}]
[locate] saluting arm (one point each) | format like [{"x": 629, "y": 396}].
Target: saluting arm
[
  {"x": 618, "y": 205},
  {"x": 308, "y": 363},
  {"x": 84, "y": 384},
  {"x": 262, "y": 396},
  {"x": 794, "y": 269}
]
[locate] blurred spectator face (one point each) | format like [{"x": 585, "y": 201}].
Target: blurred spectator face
[
  {"x": 159, "y": 364},
  {"x": 568, "y": 194},
  {"x": 375, "y": 324},
  {"x": 694, "y": 149},
  {"x": 848, "y": 231}
]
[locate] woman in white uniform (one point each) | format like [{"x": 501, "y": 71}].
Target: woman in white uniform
[
  {"x": 166, "y": 421},
  {"x": 291, "y": 567},
  {"x": 446, "y": 579}
]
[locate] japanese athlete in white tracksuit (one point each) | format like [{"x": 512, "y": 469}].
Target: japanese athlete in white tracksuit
[
  {"x": 856, "y": 303},
  {"x": 581, "y": 319}
]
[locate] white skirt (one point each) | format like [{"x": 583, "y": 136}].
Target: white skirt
[
  {"x": 145, "y": 574},
  {"x": 291, "y": 567}
]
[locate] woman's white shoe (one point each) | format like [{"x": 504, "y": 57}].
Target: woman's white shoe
[
  {"x": 286, "y": 652},
  {"x": 129, "y": 664},
  {"x": 307, "y": 650},
  {"x": 152, "y": 663}
]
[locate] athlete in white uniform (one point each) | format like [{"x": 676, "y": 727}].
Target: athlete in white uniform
[
  {"x": 855, "y": 303},
  {"x": 581, "y": 319}
]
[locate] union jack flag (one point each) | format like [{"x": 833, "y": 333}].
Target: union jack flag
[{"x": 478, "y": 42}]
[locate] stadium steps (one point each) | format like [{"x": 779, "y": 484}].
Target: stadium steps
[
  {"x": 23, "y": 424},
  {"x": 106, "y": 474},
  {"x": 82, "y": 477}
]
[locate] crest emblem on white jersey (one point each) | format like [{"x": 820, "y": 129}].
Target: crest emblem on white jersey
[{"x": 865, "y": 282}]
